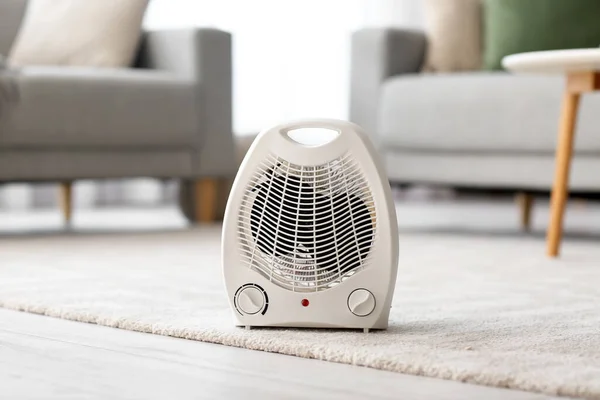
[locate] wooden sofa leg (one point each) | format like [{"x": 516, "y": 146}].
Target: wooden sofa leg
[
  {"x": 66, "y": 200},
  {"x": 206, "y": 192},
  {"x": 525, "y": 202}
]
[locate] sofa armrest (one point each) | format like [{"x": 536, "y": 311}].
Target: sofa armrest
[
  {"x": 12, "y": 13},
  {"x": 203, "y": 56},
  {"x": 377, "y": 54}
]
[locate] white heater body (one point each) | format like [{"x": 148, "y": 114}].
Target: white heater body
[{"x": 310, "y": 235}]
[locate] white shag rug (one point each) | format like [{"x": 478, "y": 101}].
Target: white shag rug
[{"x": 490, "y": 311}]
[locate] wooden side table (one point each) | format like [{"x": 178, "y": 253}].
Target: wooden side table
[{"x": 582, "y": 70}]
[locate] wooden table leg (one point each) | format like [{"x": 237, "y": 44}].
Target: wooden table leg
[{"x": 564, "y": 151}]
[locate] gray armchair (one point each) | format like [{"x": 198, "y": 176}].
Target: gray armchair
[
  {"x": 169, "y": 116},
  {"x": 477, "y": 129}
]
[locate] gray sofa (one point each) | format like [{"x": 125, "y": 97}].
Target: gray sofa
[
  {"x": 477, "y": 129},
  {"x": 169, "y": 116}
]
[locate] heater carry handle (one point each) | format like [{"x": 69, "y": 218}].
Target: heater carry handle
[
  {"x": 333, "y": 124},
  {"x": 310, "y": 145},
  {"x": 341, "y": 128}
]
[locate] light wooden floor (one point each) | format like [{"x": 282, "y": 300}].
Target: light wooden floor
[{"x": 47, "y": 358}]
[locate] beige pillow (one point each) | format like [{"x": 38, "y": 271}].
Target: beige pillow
[
  {"x": 98, "y": 33},
  {"x": 454, "y": 35}
]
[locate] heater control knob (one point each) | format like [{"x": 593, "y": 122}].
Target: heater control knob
[
  {"x": 250, "y": 300},
  {"x": 361, "y": 302}
]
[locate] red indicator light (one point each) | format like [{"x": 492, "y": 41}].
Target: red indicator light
[{"x": 305, "y": 302}]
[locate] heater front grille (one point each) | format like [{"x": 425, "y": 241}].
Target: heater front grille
[{"x": 307, "y": 228}]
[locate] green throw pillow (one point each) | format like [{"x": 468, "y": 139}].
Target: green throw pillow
[{"x": 516, "y": 26}]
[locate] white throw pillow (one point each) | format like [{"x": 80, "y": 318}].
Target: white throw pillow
[
  {"x": 454, "y": 35},
  {"x": 98, "y": 33}
]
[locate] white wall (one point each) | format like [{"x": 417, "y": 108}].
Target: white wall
[{"x": 290, "y": 56}]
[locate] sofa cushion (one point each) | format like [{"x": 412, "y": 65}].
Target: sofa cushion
[
  {"x": 517, "y": 26},
  {"x": 453, "y": 35},
  {"x": 481, "y": 112},
  {"x": 99, "y": 33},
  {"x": 98, "y": 107}
]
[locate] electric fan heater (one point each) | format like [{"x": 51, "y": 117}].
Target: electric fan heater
[{"x": 310, "y": 236}]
